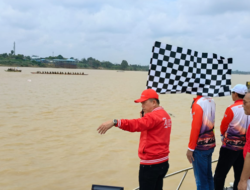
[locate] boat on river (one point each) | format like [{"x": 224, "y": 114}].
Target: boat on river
[
  {"x": 13, "y": 70},
  {"x": 58, "y": 73}
]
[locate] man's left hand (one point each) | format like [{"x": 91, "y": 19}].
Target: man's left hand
[
  {"x": 190, "y": 156},
  {"x": 105, "y": 126}
]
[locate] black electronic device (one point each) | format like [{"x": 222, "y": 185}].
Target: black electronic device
[
  {"x": 142, "y": 113},
  {"x": 104, "y": 187}
]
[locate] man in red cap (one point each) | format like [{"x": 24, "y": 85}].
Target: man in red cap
[{"x": 155, "y": 128}]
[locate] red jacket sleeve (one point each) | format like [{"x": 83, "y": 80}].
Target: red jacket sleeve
[
  {"x": 228, "y": 117},
  {"x": 197, "y": 114},
  {"x": 137, "y": 125}
]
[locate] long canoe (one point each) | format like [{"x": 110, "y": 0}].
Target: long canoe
[
  {"x": 58, "y": 73},
  {"x": 13, "y": 71}
]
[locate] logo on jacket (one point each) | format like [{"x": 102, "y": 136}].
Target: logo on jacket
[{"x": 167, "y": 122}]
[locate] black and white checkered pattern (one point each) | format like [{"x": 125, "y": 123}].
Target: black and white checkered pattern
[{"x": 179, "y": 70}]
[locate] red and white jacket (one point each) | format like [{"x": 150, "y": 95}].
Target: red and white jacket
[
  {"x": 155, "y": 128},
  {"x": 234, "y": 126},
  {"x": 203, "y": 117}
]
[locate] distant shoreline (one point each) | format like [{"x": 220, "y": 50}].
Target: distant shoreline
[
  {"x": 237, "y": 72},
  {"x": 72, "y": 68}
]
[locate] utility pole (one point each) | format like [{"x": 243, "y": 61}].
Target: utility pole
[{"x": 14, "y": 49}]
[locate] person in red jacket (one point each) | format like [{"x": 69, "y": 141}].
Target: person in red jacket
[
  {"x": 244, "y": 183},
  {"x": 233, "y": 131},
  {"x": 202, "y": 141},
  {"x": 155, "y": 128}
]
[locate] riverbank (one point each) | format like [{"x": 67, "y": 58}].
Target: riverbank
[{"x": 54, "y": 62}]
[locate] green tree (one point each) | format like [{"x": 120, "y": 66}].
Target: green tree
[
  {"x": 107, "y": 64},
  {"x": 50, "y": 57},
  {"x": 27, "y": 57},
  {"x": 19, "y": 56},
  {"x": 59, "y": 57},
  {"x": 83, "y": 60},
  {"x": 90, "y": 59},
  {"x": 95, "y": 64},
  {"x": 124, "y": 64},
  {"x": 4, "y": 55},
  {"x": 41, "y": 64}
]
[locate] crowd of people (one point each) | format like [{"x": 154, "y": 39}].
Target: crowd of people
[{"x": 155, "y": 127}]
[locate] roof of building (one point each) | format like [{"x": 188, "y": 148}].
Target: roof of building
[{"x": 65, "y": 60}]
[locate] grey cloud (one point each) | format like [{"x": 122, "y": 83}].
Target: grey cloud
[
  {"x": 26, "y": 5},
  {"x": 213, "y": 7},
  {"x": 116, "y": 30}
]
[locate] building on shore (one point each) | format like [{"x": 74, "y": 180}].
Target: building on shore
[
  {"x": 65, "y": 63},
  {"x": 59, "y": 63},
  {"x": 35, "y": 58}
]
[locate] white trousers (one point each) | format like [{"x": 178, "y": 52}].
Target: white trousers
[{"x": 248, "y": 184}]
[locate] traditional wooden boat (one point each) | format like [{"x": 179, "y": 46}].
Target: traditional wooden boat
[
  {"x": 58, "y": 73},
  {"x": 13, "y": 70}
]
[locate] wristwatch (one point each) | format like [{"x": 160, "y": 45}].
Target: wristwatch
[{"x": 115, "y": 122}]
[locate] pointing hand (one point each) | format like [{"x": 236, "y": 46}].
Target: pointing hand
[{"x": 102, "y": 129}]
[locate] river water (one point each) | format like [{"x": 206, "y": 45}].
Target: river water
[{"x": 48, "y": 130}]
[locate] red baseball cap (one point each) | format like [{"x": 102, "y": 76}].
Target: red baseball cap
[{"x": 147, "y": 94}]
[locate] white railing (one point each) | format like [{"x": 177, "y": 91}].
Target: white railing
[{"x": 184, "y": 170}]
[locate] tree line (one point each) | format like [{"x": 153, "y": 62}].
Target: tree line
[
  {"x": 89, "y": 63},
  {"x": 241, "y": 72},
  {"x": 95, "y": 64}
]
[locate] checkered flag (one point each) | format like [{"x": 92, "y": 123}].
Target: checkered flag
[{"x": 179, "y": 70}]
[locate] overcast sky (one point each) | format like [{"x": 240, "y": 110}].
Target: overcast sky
[{"x": 116, "y": 30}]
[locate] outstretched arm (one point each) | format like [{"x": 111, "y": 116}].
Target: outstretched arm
[{"x": 102, "y": 129}]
